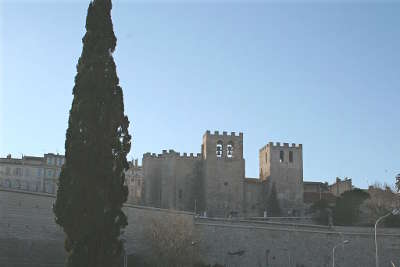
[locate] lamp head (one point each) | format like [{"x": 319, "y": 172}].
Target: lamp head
[{"x": 396, "y": 212}]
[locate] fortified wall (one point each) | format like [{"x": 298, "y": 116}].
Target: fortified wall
[
  {"x": 171, "y": 179},
  {"x": 29, "y": 237}
]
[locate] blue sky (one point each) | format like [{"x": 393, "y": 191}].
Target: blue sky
[{"x": 322, "y": 74}]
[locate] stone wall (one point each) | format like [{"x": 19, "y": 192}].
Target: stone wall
[
  {"x": 269, "y": 244},
  {"x": 28, "y": 233},
  {"x": 29, "y": 237}
]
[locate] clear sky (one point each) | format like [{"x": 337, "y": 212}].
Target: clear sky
[{"x": 326, "y": 75}]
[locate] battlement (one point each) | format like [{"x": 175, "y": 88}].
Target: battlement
[
  {"x": 172, "y": 154},
  {"x": 224, "y": 134},
  {"x": 282, "y": 145}
]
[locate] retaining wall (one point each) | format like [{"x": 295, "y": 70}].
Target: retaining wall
[{"x": 29, "y": 237}]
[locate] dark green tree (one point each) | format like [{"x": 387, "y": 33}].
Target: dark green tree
[
  {"x": 392, "y": 221},
  {"x": 91, "y": 188},
  {"x": 273, "y": 208},
  {"x": 347, "y": 209},
  {"x": 321, "y": 212}
]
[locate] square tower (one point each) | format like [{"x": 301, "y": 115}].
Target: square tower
[
  {"x": 223, "y": 173},
  {"x": 282, "y": 165}
]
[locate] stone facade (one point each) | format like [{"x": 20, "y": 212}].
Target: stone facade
[
  {"x": 213, "y": 182},
  {"x": 134, "y": 181},
  {"x": 340, "y": 186},
  {"x": 40, "y": 174},
  {"x": 36, "y": 174},
  {"x": 316, "y": 191}
]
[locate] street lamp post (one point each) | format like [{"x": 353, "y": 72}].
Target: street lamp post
[
  {"x": 393, "y": 212},
  {"x": 125, "y": 259},
  {"x": 333, "y": 250}
]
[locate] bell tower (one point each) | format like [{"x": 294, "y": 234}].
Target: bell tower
[{"x": 223, "y": 170}]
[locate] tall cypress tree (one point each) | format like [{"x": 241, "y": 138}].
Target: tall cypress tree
[{"x": 91, "y": 187}]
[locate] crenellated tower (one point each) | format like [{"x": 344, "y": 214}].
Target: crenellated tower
[
  {"x": 282, "y": 165},
  {"x": 223, "y": 173}
]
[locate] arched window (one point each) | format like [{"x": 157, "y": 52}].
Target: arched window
[
  {"x": 229, "y": 150},
  {"x": 220, "y": 148},
  {"x": 281, "y": 156}
]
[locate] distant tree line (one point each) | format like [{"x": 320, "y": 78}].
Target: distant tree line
[{"x": 359, "y": 208}]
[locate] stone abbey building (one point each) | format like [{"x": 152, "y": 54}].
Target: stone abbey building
[{"x": 213, "y": 181}]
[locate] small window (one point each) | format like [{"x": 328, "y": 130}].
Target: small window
[
  {"x": 50, "y": 173},
  {"x": 49, "y": 187},
  {"x": 24, "y": 185},
  {"x": 290, "y": 156},
  {"x": 49, "y": 161},
  {"x": 266, "y": 157},
  {"x": 39, "y": 173},
  {"x": 281, "y": 156},
  {"x": 18, "y": 172},
  {"x": 180, "y": 194},
  {"x": 16, "y": 184},
  {"x": 229, "y": 150},
  {"x": 220, "y": 148}
]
